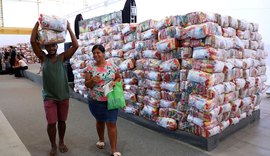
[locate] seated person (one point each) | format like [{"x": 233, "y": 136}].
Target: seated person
[{"x": 20, "y": 65}]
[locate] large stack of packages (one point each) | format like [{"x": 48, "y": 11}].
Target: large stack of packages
[
  {"x": 80, "y": 60},
  {"x": 127, "y": 68},
  {"x": 27, "y": 51},
  {"x": 53, "y": 29},
  {"x": 149, "y": 65},
  {"x": 110, "y": 38},
  {"x": 197, "y": 72},
  {"x": 224, "y": 82}
]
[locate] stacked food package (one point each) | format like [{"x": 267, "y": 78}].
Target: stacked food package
[
  {"x": 53, "y": 29},
  {"x": 147, "y": 70},
  {"x": 197, "y": 72},
  {"x": 127, "y": 68},
  {"x": 26, "y": 50}
]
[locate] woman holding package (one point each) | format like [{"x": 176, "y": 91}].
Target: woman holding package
[
  {"x": 55, "y": 87},
  {"x": 97, "y": 75}
]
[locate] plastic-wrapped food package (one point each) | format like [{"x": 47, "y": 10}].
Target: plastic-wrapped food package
[
  {"x": 115, "y": 60},
  {"x": 201, "y": 123},
  {"x": 206, "y": 116},
  {"x": 243, "y": 35},
  {"x": 140, "y": 64},
  {"x": 223, "y": 21},
  {"x": 261, "y": 70},
  {"x": 255, "y": 27},
  {"x": 179, "y": 20},
  {"x": 149, "y": 112},
  {"x": 166, "y": 33},
  {"x": 133, "y": 54},
  {"x": 152, "y": 64},
  {"x": 231, "y": 96},
  {"x": 238, "y": 43},
  {"x": 146, "y": 25},
  {"x": 253, "y": 72},
  {"x": 253, "y": 45},
  {"x": 187, "y": 63},
  {"x": 130, "y": 81},
  {"x": 255, "y": 36},
  {"x": 149, "y": 34},
  {"x": 186, "y": 52},
  {"x": 247, "y": 63},
  {"x": 52, "y": 22},
  {"x": 153, "y": 102},
  {"x": 199, "y": 31},
  {"x": 208, "y": 92},
  {"x": 167, "y": 123},
  {"x": 170, "y": 76},
  {"x": 117, "y": 53},
  {"x": 200, "y": 17},
  {"x": 128, "y": 46},
  {"x": 202, "y": 53},
  {"x": 148, "y": 44},
  {"x": 117, "y": 44},
  {"x": 229, "y": 87},
  {"x": 209, "y": 66},
  {"x": 240, "y": 83},
  {"x": 229, "y": 32},
  {"x": 256, "y": 63},
  {"x": 130, "y": 96},
  {"x": 168, "y": 104},
  {"x": 170, "y": 86},
  {"x": 117, "y": 37},
  {"x": 138, "y": 74},
  {"x": 206, "y": 79},
  {"x": 170, "y": 96},
  {"x": 151, "y": 54},
  {"x": 129, "y": 28},
  {"x": 164, "y": 23},
  {"x": 50, "y": 36},
  {"x": 260, "y": 45},
  {"x": 155, "y": 85},
  {"x": 243, "y": 25},
  {"x": 233, "y": 22},
  {"x": 215, "y": 41},
  {"x": 170, "y": 65},
  {"x": 127, "y": 65},
  {"x": 153, "y": 75},
  {"x": 204, "y": 104},
  {"x": 131, "y": 110},
  {"x": 167, "y": 45},
  {"x": 130, "y": 88},
  {"x": 129, "y": 38},
  {"x": 247, "y": 53},
  {"x": 173, "y": 54},
  {"x": 153, "y": 93}
]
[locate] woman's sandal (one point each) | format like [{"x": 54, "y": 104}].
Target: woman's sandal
[
  {"x": 116, "y": 154},
  {"x": 100, "y": 145}
]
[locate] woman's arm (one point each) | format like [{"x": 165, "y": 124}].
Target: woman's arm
[{"x": 91, "y": 81}]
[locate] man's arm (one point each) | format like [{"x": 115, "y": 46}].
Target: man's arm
[
  {"x": 69, "y": 53},
  {"x": 35, "y": 45}
]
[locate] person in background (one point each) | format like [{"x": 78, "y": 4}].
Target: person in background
[
  {"x": 20, "y": 65},
  {"x": 12, "y": 59},
  {"x": 6, "y": 61},
  {"x": 55, "y": 87},
  {"x": 1, "y": 56},
  {"x": 96, "y": 76}
]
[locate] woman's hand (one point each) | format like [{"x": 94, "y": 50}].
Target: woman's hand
[{"x": 96, "y": 79}]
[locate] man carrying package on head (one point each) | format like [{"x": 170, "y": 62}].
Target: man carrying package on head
[{"x": 55, "y": 82}]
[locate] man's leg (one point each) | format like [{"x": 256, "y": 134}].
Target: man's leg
[
  {"x": 51, "y": 116},
  {"x": 62, "y": 113},
  {"x": 51, "y": 130}
]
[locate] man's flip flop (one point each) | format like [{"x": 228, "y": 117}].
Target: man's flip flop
[{"x": 100, "y": 145}]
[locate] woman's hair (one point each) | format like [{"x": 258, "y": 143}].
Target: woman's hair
[{"x": 99, "y": 47}]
